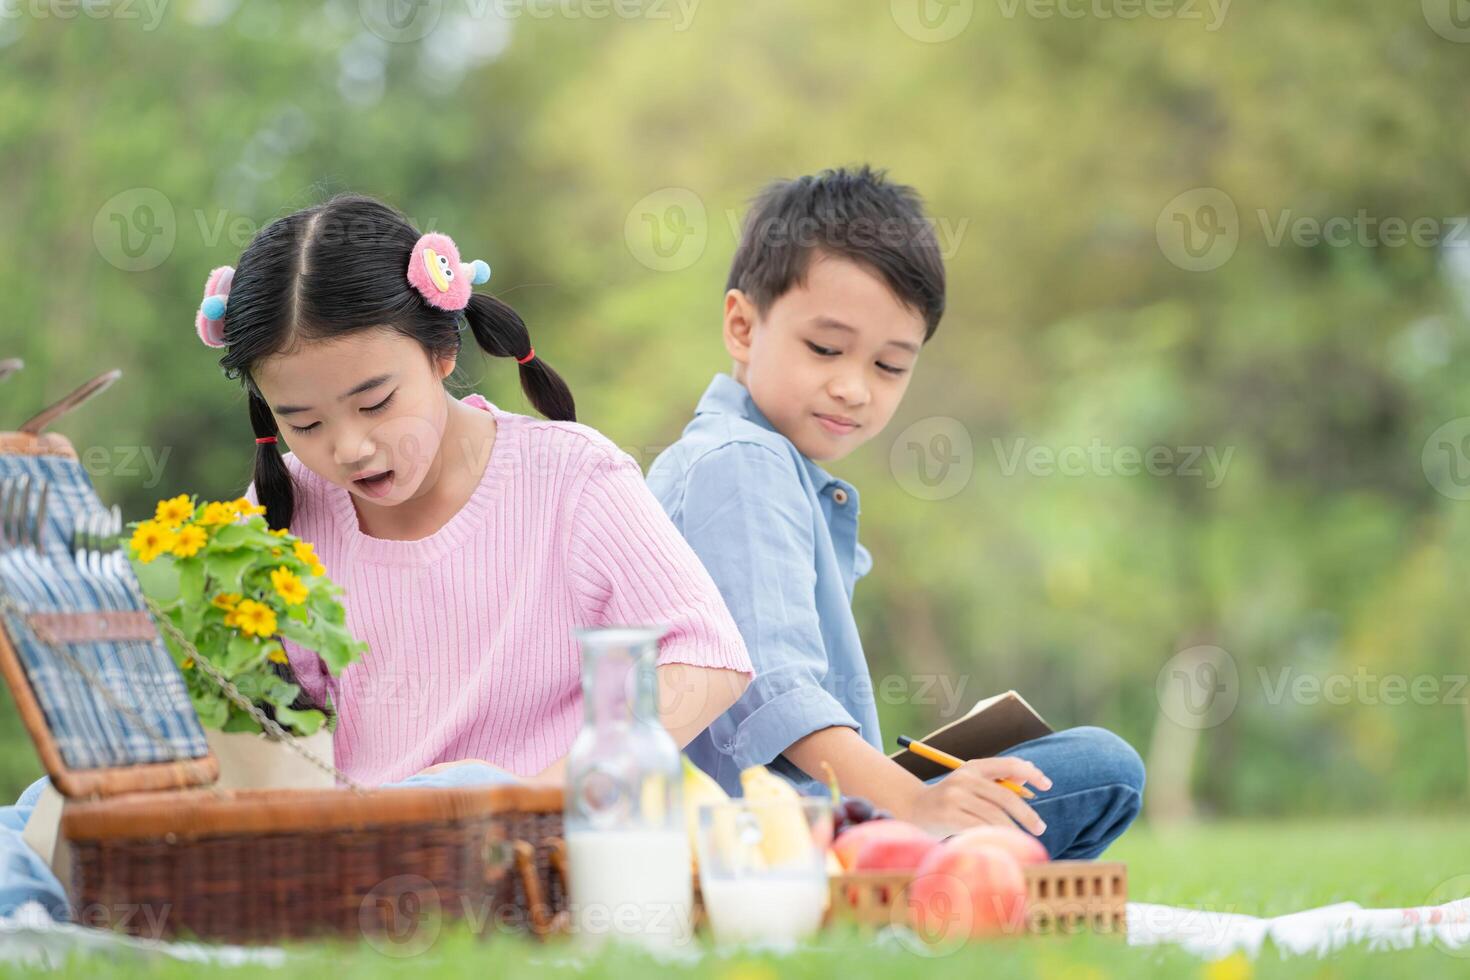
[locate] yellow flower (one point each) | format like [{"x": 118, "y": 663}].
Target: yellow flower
[
  {"x": 253, "y": 618},
  {"x": 245, "y": 508},
  {"x": 226, "y": 600},
  {"x": 189, "y": 540},
  {"x": 318, "y": 569},
  {"x": 276, "y": 655},
  {"x": 275, "y": 552},
  {"x": 152, "y": 539},
  {"x": 216, "y": 513},
  {"x": 173, "y": 512},
  {"x": 188, "y": 662},
  {"x": 281, "y": 532},
  {"x": 1233, "y": 967},
  {"x": 288, "y": 586},
  {"x": 305, "y": 550}
]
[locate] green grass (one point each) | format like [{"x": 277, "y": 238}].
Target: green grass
[{"x": 1255, "y": 868}]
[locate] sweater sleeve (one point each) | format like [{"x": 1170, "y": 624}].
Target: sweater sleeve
[{"x": 628, "y": 565}]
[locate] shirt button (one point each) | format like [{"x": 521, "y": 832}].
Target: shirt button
[{"x": 839, "y": 496}]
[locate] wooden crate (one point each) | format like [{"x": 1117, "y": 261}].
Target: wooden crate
[{"x": 1061, "y": 897}]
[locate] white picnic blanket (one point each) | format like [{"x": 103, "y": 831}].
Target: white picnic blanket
[
  {"x": 1318, "y": 931},
  {"x": 31, "y": 937}
]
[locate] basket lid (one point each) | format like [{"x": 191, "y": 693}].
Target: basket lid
[{"x": 96, "y": 688}]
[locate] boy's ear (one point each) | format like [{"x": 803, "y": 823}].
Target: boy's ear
[{"x": 740, "y": 316}]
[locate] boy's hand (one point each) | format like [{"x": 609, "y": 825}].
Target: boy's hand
[{"x": 970, "y": 795}]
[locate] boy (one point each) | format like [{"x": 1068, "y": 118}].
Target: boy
[{"x": 836, "y": 286}]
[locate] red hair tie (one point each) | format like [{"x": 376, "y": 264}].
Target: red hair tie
[
  {"x": 266, "y": 441},
  {"x": 523, "y": 360}
]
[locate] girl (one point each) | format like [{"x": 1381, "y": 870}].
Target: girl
[{"x": 471, "y": 541}]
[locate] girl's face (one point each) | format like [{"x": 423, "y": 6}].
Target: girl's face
[{"x": 366, "y": 412}]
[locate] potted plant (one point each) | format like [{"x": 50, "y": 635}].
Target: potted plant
[{"x": 233, "y": 588}]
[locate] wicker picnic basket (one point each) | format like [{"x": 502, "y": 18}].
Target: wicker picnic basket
[{"x": 155, "y": 848}]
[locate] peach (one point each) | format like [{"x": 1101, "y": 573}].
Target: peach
[
  {"x": 900, "y": 852},
  {"x": 962, "y": 891},
  {"x": 851, "y": 840},
  {"x": 1022, "y": 846}
]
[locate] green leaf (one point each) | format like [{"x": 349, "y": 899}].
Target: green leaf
[
  {"x": 191, "y": 594},
  {"x": 240, "y": 721},
  {"x": 282, "y": 694},
  {"x": 244, "y": 653},
  {"x": 227, "y": 568},
  {"x": 306, "y": 722},
  {"x": 232, "y": 536},
  {"x": 159, "y": 579}
]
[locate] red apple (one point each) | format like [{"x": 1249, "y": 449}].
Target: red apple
[
  {"x": 966, "y": 890},
  {"x": 1022, "y": 846},
  {"x": 851, "y": 841}
]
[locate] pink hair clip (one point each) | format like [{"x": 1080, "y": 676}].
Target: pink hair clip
[
  {"x": 209, "y": 322},
  {"x": 434, "y": 269}
]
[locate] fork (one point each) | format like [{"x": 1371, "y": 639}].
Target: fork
[
  {"x": 96, "y": 544},
  {"x": 18, "y": 528}
]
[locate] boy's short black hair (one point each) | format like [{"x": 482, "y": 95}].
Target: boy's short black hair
[{"x": 856, "y": 214}]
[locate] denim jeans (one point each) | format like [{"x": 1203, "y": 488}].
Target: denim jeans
[{"x": 1096, "y": 789}]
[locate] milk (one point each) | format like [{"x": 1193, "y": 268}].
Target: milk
[
  {"x": 631, "y": 884},
  {"x": 778, "y": 908}
]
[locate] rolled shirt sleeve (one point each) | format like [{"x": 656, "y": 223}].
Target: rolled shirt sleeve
[{"x": 746, "y": 516}]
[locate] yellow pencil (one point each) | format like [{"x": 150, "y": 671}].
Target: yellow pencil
[{"x": 929, "y": 752}]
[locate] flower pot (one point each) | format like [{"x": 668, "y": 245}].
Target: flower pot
[{"x": 250, "y": 760}]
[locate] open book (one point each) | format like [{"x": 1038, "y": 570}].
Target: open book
[{"x": 992, "y": 726}]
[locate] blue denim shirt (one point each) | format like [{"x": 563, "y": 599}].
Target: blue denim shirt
[{"x": 779, "y": 537}]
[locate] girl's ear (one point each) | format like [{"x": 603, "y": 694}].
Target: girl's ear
[
  {"x": 445, "y": 366},
  {"x": 740, "y": 315}
]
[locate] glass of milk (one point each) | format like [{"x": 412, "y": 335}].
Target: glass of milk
[
  {"x": 763, "y": 868},
  {"x": 628, "y": 853}
]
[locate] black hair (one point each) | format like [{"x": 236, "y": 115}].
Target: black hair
[
  {"x": 856, "y": 214},
  {"x": 336, "y": 269}
]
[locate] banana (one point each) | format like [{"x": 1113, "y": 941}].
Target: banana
[
  {"x": 785, "y": 837},
  {"x": 700, "y": 789}
]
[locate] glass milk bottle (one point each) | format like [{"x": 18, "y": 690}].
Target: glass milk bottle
[{"x": 627, "y": 842}]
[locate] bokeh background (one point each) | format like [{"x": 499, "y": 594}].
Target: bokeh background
[{"x": 1189, "y": 456}]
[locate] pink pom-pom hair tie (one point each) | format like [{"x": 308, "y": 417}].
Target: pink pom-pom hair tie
[
  {"x": 435, "y": 270},
  {"x": 209, "y": 322}
]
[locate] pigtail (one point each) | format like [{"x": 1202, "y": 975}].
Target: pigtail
[
  {"x": 272, "y": 480},
  {"x": 273, "y": 489},
  {"x": 500, "y": 332}
]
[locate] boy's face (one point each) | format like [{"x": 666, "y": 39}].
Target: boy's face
[
  {"x": 393, "y": 428},
  {"x": 830, "y": 360}
]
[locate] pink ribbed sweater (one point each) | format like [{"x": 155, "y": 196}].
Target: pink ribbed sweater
[{"x": 469, "y": 630}]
